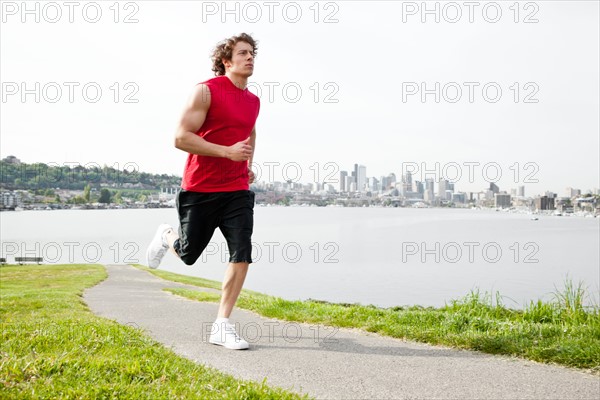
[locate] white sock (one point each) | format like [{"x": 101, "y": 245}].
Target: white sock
[{"x": 222, "y": 321}]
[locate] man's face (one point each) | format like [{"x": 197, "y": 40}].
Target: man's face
[{"x": 242, "y": 59}]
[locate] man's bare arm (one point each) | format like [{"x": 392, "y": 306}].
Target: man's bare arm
[
  {"x": 252, "y": 143},
  {"x": 191, "y": 121}
]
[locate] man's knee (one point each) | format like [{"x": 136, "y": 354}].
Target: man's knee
[
  {"x": 189, "y": 259},
  {"x": 185, "y": 253},
  {"x": 241, "y": 256},
  {"x": 240, "y": 264}
]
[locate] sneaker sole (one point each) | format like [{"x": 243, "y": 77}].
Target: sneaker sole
[{"x": 229, "y": 347}]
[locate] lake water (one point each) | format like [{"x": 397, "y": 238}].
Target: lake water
[{"x": 380, "y": 256}]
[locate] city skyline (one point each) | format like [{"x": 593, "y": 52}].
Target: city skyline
[
  {"x": 342, "y": 180},
  {"x": 342, "y": 184},
  {"x": 43, "y": 187}
]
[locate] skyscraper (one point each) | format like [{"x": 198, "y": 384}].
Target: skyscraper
[
  {"x": 442, "y": 187},
  {"x": 494, "y": 188},
  {"x": 361, "y": 178},
  {"x": 419, "y": 187},
  {"x": 383, "y": 183},
  {"x": 430, "y": 185},
  {"x": 391, "y": 181},
  {"x": 449, "y": 194},
  {"x": 343, "y": 175},
  {"x": 374, "y": 184},
  {"x": 350, "y": 184},
  {"x": 407, "y": 182},
  {"x": 458, "y": 198},
  {"x": 429, "y": 190},
  {"x": 502, "y": 200},
  {"x": 428, "y": 195}
]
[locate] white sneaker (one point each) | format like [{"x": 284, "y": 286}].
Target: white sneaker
[
  {"x": 226, "y": 336},
  {"x": 157, "y": 247}
]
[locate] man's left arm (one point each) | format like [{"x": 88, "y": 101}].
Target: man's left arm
[{"x": 252, "y": 143}]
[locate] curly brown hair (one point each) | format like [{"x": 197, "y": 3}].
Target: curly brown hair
[{"x": 224, "y": 50}]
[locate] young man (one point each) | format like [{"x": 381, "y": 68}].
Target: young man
[{"x": 217, "y": 130}]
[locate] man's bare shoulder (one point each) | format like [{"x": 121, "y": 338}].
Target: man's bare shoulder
[
  {"x": 202, "y": 89},
  {"x": 201, "y": 96}
]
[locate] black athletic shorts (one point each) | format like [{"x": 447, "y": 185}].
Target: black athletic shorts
[{"x": 201, "y": 213}]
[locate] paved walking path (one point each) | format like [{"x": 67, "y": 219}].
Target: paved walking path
[{"x": 327, "y": 364}]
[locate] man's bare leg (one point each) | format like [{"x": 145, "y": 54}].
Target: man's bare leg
[
  {"x": 232, "y": 286},
  {"x": 235, "y": 275},
  {"x": 232, "y": 282},
  {"x": 172, "y": 236},
  {"x": 223, "y": 333}
]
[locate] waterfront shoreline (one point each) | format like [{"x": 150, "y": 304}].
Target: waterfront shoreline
[{"x": 154, "y": 206}]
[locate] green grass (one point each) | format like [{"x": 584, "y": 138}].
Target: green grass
[
  {"x": 560, "y": 331},
  {"x": 52, "y": 346}
]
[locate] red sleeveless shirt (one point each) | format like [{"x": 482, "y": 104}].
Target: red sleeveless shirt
[{"x": 230, "y": 119}]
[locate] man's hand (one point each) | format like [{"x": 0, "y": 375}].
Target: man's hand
[
  {"x": 241, "y": 151},
  {"x": 250, "y": 176}
]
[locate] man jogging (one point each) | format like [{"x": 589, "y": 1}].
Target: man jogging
[{"x": 217, "y": 129}]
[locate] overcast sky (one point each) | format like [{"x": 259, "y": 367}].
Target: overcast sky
[{"x": 519, "y": 99}]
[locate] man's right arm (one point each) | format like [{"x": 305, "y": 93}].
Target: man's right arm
[{"x": 191, "y": 121}]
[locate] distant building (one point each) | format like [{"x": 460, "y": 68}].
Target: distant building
[
  {"x": 391, "y": 180},
  {"x": 361, "y": 178},
  {"x": 544, "y": 203},
  {"x": 383, "y": 183},
  {"x": 407, "y": 182},
  {"x": 502, "y": 200},
  {"x": 167, "y": 193},
  {"x": 573, "y": 192},
  {"x": 588, "y": 204},
  {"x": 11, "y": 199},
  {"x": 350, "y": 183},
  {"x": 343, "y": 175},
  {"x": 12, "y": 160},
  {"x": 419, "y": 187},
  {"x": 449, "y": 194},
  {"x": 521, "y": 191},
  {"x": 494, "y": 188},
  {"x": 374, "y": 184},
  {"x": 430, "y": 185},
  {"x": 442, "y": 187},
  {"x": 428, "y": 195},
  {"x": 458, "y": 198}
]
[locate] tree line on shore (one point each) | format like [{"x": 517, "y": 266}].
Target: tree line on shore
[
  {"x": 86, "y": 184},
  {"x": 23, "y": 176}
]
